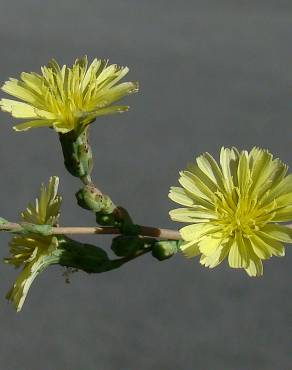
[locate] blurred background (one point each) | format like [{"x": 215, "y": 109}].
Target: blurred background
[{"x": 212, "y": 73}]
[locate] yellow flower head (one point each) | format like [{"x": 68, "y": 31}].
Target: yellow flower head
[
  {"x": 67, "y": 98},
  {"x": 35, "y": 252},
  {"x": 234, "y": 208}
]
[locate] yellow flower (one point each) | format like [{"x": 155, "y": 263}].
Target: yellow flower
[
  {"x": 67, "y": 98},
  {"x": 234, "y": 208},
  {"x": 35, "y": 252}
]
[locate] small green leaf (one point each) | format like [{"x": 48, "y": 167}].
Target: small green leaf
[
  {"x": 28, "y": 228},
  {"x": 3, "y": 221}
]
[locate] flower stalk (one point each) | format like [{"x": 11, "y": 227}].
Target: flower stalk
[{"x": 155, "y": 232}]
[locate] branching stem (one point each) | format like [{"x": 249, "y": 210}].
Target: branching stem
[{"x": 145, "y": 231}]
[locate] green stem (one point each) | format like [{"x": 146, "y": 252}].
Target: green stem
[
  {"x": 77, "y": 154},
  {"x": 26, "y": 228}
]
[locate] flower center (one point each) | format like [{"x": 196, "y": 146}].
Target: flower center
[{"x": 239, "y": 213}]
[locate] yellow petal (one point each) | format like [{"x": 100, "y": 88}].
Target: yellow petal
[
  {"x": 215, "y": 258},
  {"x": 18, "y": 109},
  {"x": 195, "y": 170},
  {"x": 190, "y": 249},
  {"x": 283, "y": 214},
  {"x": 116, "y": 93},
  {"x": 208, "y": 245},
  {"x": 194, "y": 214},
  {"x": 180, "y": 196},
  {"x": 243, "y": 173},
  {"x": 261, "y": 249},
  {"x": 33, "y": 124},
  {"x": 195, "y": 186},
  {"x": 209, "y": 166},
  {"x": 237, "y": 257},
  {"x": 276, "y": 248},
  {"x": 15, "y": 88},
  {"x": 108, "y": 110},
  {"x": 33, "y": 81},
  {"x": 278, "y": 232},
  {"x": 229, "y": 161},
  {"x": 196, "y": 231},
  {"x": 284, "y": 187},
  {"x": 255, "y": 266},
  {"x": 46, "y": 209}
]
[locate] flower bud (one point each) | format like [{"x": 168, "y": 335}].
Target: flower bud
[
  {"x": 164, "y": 249},
  {"x": 90, "y": 198}
]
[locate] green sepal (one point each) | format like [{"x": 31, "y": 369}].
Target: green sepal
[
  {"x": 77, "y": 153},
  {"x": 126, "y": 246},
  {"x": 118, "y": 217},
  {"x": 107, "y": 220},
  {"x": 165, "y": 249},
  {"x": 3, "y": 221},
  {"x": 28, "y": 228}
]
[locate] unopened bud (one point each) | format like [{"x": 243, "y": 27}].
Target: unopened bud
[
  {"x": 164, "y": 249},
  {"x": 90, "y": 198}
]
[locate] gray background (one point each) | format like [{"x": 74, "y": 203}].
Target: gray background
[{"x": 212, "y": 73}]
